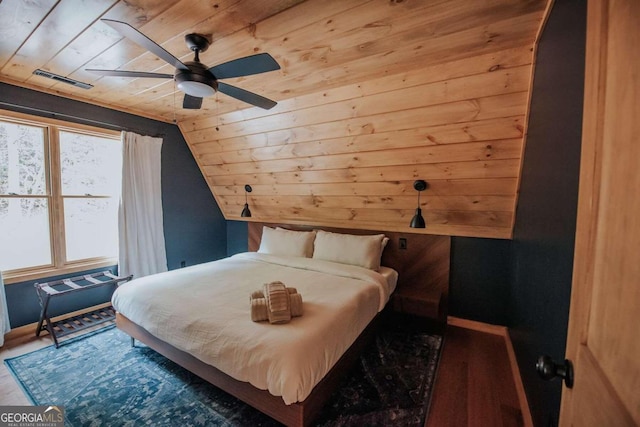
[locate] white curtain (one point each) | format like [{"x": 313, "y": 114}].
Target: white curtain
[
  {"x": 142, "y": 250},
  {"x": 4, "y": 313}
]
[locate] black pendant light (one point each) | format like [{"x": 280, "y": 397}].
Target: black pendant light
[
  {"x": 246, "y": 213},
  {"x": 418, "y": 221}
]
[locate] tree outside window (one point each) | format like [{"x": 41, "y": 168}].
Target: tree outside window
[{"x": 59, "y": 193}]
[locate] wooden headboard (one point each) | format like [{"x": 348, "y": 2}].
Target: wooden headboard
[{"x": 423, "y": 267}]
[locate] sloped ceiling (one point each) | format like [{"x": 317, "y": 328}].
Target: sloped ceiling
[{"x": 372, "y": 95}]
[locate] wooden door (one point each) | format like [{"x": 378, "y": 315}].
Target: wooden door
[{"x": 604, "y": 322}]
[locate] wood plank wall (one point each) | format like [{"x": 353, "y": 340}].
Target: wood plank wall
[
  {"x": 372, "y": 95},
  {"x": 346, "y": 155}
]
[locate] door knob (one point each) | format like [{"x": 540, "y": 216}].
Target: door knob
[{"x": 548, "y": 370}]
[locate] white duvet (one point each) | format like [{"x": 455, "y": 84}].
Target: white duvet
[{"x": 205, "y": 311}]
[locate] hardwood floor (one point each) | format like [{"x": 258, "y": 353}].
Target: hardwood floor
[
  {"x": 474, "y": 386},
  {"x": 10, "y": 391}
]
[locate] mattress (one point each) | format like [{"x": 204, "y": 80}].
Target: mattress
[{"x": 204, "y": 310}]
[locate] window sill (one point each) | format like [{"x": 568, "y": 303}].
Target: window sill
[{"x": 25, "y": 276}]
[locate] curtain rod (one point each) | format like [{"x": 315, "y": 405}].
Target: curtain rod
[{"x": 82, "y": 120}]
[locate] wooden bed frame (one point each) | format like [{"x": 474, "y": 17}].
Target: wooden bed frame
[
  {"x": 301, "y": 413},
  {"x": 296, "y": 414}
]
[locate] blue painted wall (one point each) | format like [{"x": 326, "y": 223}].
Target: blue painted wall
[
  {"x": 24, "y": 307},
  {"x": 525, "y": 283},
  {"x": 194, "y": 228},
  {"x": 544, "y": 233},
  {"x": 479, "y": 279},
  {"x": 237, "y": 237}
]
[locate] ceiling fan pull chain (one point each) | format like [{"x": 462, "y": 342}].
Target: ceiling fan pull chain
[{"x": 175, "y": 121}]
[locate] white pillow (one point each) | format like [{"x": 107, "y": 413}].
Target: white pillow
[
  {"x": 363, "y": 251},
  {"x": 287, "y": 242}
]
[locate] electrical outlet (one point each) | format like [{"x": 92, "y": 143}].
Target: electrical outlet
[
  {"x": 403, "y": 243},
  {"x": 183, "y": 264}
]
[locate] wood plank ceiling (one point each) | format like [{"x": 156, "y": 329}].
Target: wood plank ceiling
[{"x": 372, "y": 95}]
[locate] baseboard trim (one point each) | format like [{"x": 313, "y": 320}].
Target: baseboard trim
[
  {"x": 477, "y": 326},
  {"x": 515, "y": 369},
  {"x": 30, "y": 329}
]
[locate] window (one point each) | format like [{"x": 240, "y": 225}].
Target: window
[{"x": 59, "y": 194}]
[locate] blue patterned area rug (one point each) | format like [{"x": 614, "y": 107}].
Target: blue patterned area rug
[{"x": 102, "y": 381}]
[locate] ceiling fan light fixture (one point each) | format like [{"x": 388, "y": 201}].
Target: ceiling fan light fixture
[
  {"x": 193, "y": 78},
  {"x": 197, "y": 89},
  {"x": 197, "y": 81}
]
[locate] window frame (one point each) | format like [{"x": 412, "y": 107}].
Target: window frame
[{"x": 53, "y": 175}]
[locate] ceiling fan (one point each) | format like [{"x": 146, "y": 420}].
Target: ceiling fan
[{"x": 194, "y": 78}]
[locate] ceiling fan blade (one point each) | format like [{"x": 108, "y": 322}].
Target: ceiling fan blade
[
  {"x": 246, "y": 96},
  {"x": 137, "y": 37},
  {"x": 254, "y": 64},
  {"x": 124, "y": 73},
  {"x": 191, "y": 102}
]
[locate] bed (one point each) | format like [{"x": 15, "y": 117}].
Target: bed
[
  {"x": 288, "y": 370},
  {"x": 204, "y": 311}
]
